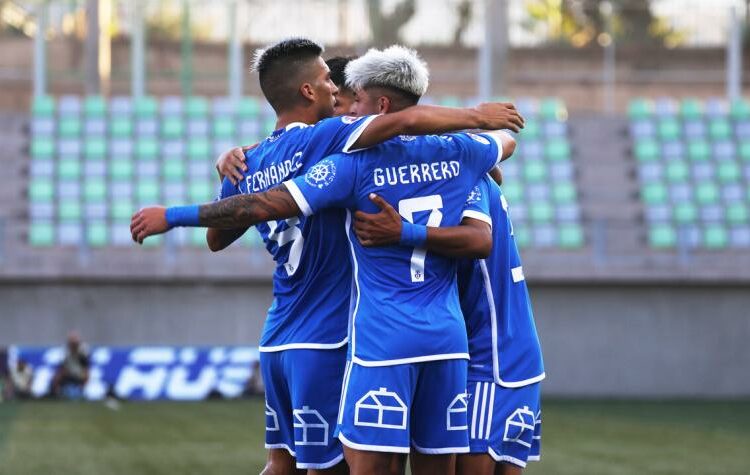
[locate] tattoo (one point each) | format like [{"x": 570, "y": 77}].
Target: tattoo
[{"x": 248, "y": 210}]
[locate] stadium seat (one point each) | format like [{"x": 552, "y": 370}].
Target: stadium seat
[{"x": 41, "y": 233}]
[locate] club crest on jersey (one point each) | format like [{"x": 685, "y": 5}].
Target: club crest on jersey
[
  {"x": 480, "y": 139},
  {"x": 475, "y": 195},
  {"x": 321, "y": 174}
]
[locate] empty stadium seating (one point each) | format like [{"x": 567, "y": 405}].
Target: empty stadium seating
[
  {"x": 95, "y": 161},
  {"x": 693, "y": 163}
]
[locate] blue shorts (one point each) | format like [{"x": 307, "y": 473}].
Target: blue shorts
[
  {"x": 303, "y": 392},
  {"x": 505, "y": 422},
  {"x": 393, "y": 408}
]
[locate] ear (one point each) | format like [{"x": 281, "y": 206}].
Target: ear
[
  {"x": 384, "y": 104},
  {"x": 307, "y": 91}
]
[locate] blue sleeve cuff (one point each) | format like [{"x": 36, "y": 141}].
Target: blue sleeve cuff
[
  {"x": 183, "y": 216},
  {"x": 413, "y": 235}
]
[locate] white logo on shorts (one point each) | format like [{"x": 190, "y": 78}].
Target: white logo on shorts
[
  {"x": 521, "y": 420},
  {"x": 314, "y": 429},
  {"x": 457, "y": 407},
  {"x": 273, "y": 417},
  {"x": 382, "y": 409}
]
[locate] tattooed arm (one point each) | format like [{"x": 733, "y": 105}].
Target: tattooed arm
[{"x": 231, "y": 213}]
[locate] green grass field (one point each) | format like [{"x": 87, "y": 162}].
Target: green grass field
[{"x": 227, "y": 438}]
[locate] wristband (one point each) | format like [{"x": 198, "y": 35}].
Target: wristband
[
  {"x": 183, "y": 216},
  {"x": 413, "y": 235}
]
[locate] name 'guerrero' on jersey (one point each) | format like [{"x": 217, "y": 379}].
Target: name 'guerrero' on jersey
[{"x": 416, "y": 173}]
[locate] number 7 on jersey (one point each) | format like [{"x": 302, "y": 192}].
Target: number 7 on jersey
[{"x": 407, "y": 208}]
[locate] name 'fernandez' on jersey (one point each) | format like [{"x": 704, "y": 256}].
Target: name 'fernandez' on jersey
[
  {"x": 503, "y": 342},
  {"x": 406, "y": 306},
  {"x": 312, "y": 279}
]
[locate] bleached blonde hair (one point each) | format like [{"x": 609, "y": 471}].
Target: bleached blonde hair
[{"x": 396, "y": 66}]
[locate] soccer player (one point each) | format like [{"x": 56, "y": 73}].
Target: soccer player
[{"x": 307, "y": 323}]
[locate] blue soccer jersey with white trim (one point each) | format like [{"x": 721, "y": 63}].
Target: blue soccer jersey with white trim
[
  {"x": 312, "y": 280},
  {"x": 503, "y": 343},
  {"x": 406, "y": 309}
]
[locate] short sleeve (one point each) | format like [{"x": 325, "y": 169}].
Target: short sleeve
[
  {"x": 227, "y": 189},
  {"x": 482, "y": 151},
  {"x": 340, "y": 133},
  {"x": 478, "y": 202},
  {"x": 330, "y": 183}
]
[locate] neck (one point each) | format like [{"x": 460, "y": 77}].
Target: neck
[{"x": 306, "y": 115}]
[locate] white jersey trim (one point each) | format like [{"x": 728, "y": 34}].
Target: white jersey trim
[
  {"x": 281, "y": 446},
  {"x": 473, "y": 214},
  {"x": 414, "y": 359},
  {"x": 354, "y": 136},
  {"x": 493, "y": 321},
  {"x": 505, "y": 458},
  {"x": 374, "y": 448},
  {"x": 495, "y": 136},
  {"x": 304, "y": 346},
  {"x": 298, "y": 197},
  {"x": 321, "y": 466},
  {"x": 355, "y": 277}
]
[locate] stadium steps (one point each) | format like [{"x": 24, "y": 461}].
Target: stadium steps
[
  {"x": 604, "y": 176},
  {"x": 13, "y": 162}
]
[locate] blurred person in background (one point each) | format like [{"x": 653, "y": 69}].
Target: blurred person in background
[
  {"x": 3, "y": 373},
  {"x": 345, "y": 97},
  {"x": 73, "y": 374},
  {"x": 21, "y": 377}
]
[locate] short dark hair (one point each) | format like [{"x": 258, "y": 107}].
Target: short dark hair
[
  {"x": 337, "y": 65},
  {"x": 400, "y": 99},
  {"x": 281, "y": 68}
]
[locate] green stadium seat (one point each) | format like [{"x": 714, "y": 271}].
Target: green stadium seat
[
  {"x": 571, "y": 236},
  {"x": 677, "y": 172},
  {"x": 95, "y": 148},
  {"x": 200, "y": 192},
  {"x": 740, "y": 110},
  {"x": 95, "y": 191},
  {"x": 744, "y": 151},
  {"x": 41, "y": 191},
  {"x": 248, "y": 108},
  {"x": 121, "y": 127},
  {"x": 199, "y": 149},
  {"x": 541, "y": 212},
  {"x": 534, "y": 171},
  {"x": 94, "y": 106},
  {"x": 699, "y": 151},
  {"x": 557, "y": 150},
  {"x": 719, "y": 129},
  {"x": 729, "y": 172},
  {"x": 564, "y": 193},
  {"x": 69, "y": 210},
  {"x": 174, "y": 170},
  {"x": 553, "y": 108},
  {"x": 41, "y": 234},
  {"x": 172, "y": 127},
  {"x": 706, "y": 193},
  {"x": 662, "y": 236},
  {"x": 685, "y": 213},
  {"x": 69, "y": 127},
  {"x": 97, "y": 234},
  {"x": 42, "y": 147},
  {"x": 147, "y": 192},
  {"x": 197, "y": 237},
  {"x": 646, "y": 151},
  {"x": 69, "y": 169},
  {"x": 269, "y": 125},
  {"x": 146, "y": 149},
  {"x": 196, "y": 107},
  {"x": 640, "y": 109},
  {"x": 43, "y": 106},
  {"x": 669, "y": 129},
  {"x": 654, "y": 193},
  {"x": 122, "y": 210},
  {"x": 450, "y": 101},
  {"x": 522, "y": 235},
  {"x": 121, "y": 170},
  {"x": 737, "y": 213},
  {"x": 223, "y": 127},
  {"x": 715, "y": 237},
  {"x": 691, "y": 109},
  {"x": 145, "y": 107}
]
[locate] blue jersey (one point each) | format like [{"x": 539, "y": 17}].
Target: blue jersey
[
  {"x": 312, "y": 280},
  {"x": 503, "y": 343},
  {"x": 406, "y": 307}
]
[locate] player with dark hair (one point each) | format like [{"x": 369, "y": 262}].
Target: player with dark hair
[
  {"x": 307, "y": 323},
  {"x": 345, "y": 97}
]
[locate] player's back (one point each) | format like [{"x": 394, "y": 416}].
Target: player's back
[
  {"x": 312, "y": 279},
  {"x": 503, "y": 342},
  {"x": 406, "y": 308}
]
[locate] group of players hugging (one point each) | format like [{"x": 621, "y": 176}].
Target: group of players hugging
[{"x": 401, "y": 321}]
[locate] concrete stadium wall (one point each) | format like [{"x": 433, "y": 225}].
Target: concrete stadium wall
[{"x": 598, "y": 340}]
